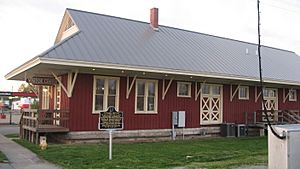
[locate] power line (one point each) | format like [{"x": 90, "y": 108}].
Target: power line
[{"x": 279, "y": 7}]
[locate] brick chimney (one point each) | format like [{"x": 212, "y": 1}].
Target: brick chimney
[{"x": 154, "y": 18}]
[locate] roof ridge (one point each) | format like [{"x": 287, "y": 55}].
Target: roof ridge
[{"x": 181, "y": 29}]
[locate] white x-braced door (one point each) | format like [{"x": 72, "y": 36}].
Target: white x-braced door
[
  {"x": 271, "y": 101},
  {"x": 211, "y": 104}
]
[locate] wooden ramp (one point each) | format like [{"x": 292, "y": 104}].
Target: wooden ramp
[
  {"x": 258, "y": 118},
  {"x": 35, "y": 122}
]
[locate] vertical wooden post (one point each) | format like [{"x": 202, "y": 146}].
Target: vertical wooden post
[
  {"x": 37, "y": 138},
  {"x": 254, "y": 117},
  {"x": 275, "y": 116}
]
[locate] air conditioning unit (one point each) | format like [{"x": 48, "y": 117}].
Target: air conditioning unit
[
  {"x": 228, "y": 130},
  {"x": 284, "y": 153},
  {"x": 240, "y": 130}
]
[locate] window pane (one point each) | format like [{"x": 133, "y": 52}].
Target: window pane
[
  {"x": 100, "y": 86},
  {"x": 111, "y": 101},
  {"x": 266, "y": 92},
  {"x": 205, "y": 89},
  {"x": 151, "y": 89},
  {"x": 293, "y": 95},
  {"x": 150, "y": 104},
  {"x": 141, "y": 88},
  {"x": 140, "y": 104},
  {"x": 243, "y": 92},
  {"x": 112, "y": 87},
  {"x": 99, "y": 102},
  {"x": 183, "y": 89},
  {"x": 216, "y": 90},
  {"x": 272, "y": 93}
]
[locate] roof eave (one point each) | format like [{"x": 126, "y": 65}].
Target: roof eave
[
  {"x": 24, "y": 67},
  {"x": 161, "y": 70}
]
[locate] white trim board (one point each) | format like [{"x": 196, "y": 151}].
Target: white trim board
[{"x": 75, "y": 63}]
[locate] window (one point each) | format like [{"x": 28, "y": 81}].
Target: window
[
  {"x": 216, "y": 90},
  {"x": 183, "y": 89},
  {"x": 205, "y": 89},
  {"x": 293, "y": 95},
  {"x": 45, "y": 97},
  {"x": 106, "y": 93},
  {"x": 146, "y": 96},
  {"x": 244, "y": 93},
  {"x": 268, "y": 92}
]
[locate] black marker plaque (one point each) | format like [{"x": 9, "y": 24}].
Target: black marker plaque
[{"x": 110, "y": 119}]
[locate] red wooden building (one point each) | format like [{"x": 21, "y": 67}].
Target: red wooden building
[{"x": 148, "y": 71}]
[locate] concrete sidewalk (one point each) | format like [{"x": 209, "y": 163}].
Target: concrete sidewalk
[{"x": 20, "y": 157}]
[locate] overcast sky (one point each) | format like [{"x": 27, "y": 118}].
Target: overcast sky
[{"x": 29, "y": 27}]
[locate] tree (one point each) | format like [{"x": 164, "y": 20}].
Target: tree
[{"x": 26, "y": 88}]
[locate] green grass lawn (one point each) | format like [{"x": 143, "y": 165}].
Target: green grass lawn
[{"x": 206, "y": 153}]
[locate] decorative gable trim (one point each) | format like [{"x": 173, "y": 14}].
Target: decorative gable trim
[{"x": 67, "y": 28}]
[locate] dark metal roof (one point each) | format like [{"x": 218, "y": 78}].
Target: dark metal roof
[{"x": 113, "y": 40}]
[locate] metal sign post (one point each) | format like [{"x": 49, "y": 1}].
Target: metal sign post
[
  {"x": 110, "y": 144},
  {"x": 109, "y": 121}
]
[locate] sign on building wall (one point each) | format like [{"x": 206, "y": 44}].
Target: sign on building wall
[
  {"x": 110, "y": 119},
  {"x": 5, "y": 93},
  {"x": 42, "y": 81}
]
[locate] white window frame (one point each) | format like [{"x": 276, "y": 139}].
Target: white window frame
[
  {"x": 46, "y": 97},
  {"x": 295, "y": 94},
  {"x": 189, "y": 89},
  {"x": 146, "y": 81},
  {"x": 247, "y": 93},
  {"x": 106, "y": 80}
]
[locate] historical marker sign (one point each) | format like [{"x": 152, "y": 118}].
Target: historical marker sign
[{"x": 110, "y": 120}]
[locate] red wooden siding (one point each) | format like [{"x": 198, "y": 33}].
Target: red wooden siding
[
  {"x": 291, "y": 105},
  {"x": 165, "y": 108},
  {"x": 82, "y": 119},
  {"x": 233, "y": 111}
]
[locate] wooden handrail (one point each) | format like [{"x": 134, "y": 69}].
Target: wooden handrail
[{"x": 34, "y": 118}]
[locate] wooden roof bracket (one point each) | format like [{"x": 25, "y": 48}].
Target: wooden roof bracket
[
  {"x": 129, "y": 88},
  {"x": 33, "y": 89},
  {"x": 235, "y": 91},
  {"x": 164, "y": 89},
  {"x": 197, "y": 92},
  {"x": 71, "y": 82},
  {"x": 286, "y": 95},
  {"x": 257, "y": 95}
]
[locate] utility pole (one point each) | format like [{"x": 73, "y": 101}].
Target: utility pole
[{"x": 261, "y": 78}]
